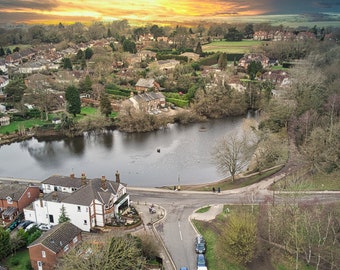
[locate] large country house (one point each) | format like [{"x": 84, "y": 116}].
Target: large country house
[{"x": 89, "y": 203}]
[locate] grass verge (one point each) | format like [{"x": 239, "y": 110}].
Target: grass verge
[{"x": 19, "y": 260}]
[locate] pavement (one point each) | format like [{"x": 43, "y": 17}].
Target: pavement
[{"x": 151, "y": 218}]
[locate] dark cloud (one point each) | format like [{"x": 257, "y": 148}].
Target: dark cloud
[{"x": 30, "y": 4}]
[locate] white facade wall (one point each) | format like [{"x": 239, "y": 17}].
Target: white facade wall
[
  {"x": 30, "y": 215},
  {"x": 79, "y": 214},
  {"x": 99, "y": 213},
  {"x": 47, "y": 188}
]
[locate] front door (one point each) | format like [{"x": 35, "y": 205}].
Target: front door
[{"x": 40, "y": 265}]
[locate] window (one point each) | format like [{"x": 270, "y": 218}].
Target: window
[
  {"x": 29, "y": 194},
  {"x": 66, "y": 248},
  {"x": 51, "y": 218},
  {"x": 9, "y": 200},
  {"x": 79, "y": 209},
  {"x": 75, "y": 240},
  {"x": 43, "y": 253},
  {"x": 85, "y": 222}
]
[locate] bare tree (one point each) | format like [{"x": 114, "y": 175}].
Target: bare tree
[
  {"x": 118, "y": 252},
  {"x": 232, "y": 154}
]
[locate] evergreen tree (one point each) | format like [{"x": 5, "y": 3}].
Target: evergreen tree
[
  {"x": 198, "y": 49},
  {"x": 222, "y": 61},
  {"x": 2, "y": 51},
  {"x": 86, "y": 85},
  {"x": 5, "y": 246},
  {"x": 73, "y": 100},
  {"x": 105, "y": 105},
  {"x": 112, "y": 46},
  {"x": 129, "y": 46},
  {"x": 67, "y": 64},
  {"x": 63, "y": 215},
  {"x": 80, "y": 55},
  {"x": 88, "y": 53},
  {"x": 15, "y": 89},
  {"x": 254, "y": 68}
]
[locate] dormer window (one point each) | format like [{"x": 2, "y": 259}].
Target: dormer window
[{"x": 9, "y": 200}]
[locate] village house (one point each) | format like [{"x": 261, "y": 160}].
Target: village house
[
  {"x": 53, "y": 244},
  {"x": 148, "y": 84},
  {"x": 167, "y": 64},
  {"x": 33, "y": 67},
  {"x": 248, "y": 58},
  {"x": 278, "y": 77},
  {"x": 5, "y": 121},
  {"x": 89, "y": 203},
  {"x": 14, "y": 198},
  {"x": 191, "y": 56},
  {"x": 149, "y": 102},
  {"x": 146, "y": 54}
]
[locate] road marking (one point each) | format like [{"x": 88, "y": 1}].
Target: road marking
[{"x": 180, "y": 232}]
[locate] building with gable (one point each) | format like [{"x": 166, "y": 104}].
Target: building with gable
[
  {"x": 45, "y": 251},
  {"x": 148, "y": 84},
  {"x": 89, "y": 203},
  {"x": 14, "y": 198}
]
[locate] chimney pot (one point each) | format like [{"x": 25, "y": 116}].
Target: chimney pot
[
  {"x": 103, "y": 182},
  {"x": 117, "y": 177},
  {"x": 72, "y": 175}
]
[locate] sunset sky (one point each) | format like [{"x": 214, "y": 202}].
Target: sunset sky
[{"x": 66, "y": 11}]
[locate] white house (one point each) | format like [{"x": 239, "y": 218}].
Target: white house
[{"x": 88, "y": 203}]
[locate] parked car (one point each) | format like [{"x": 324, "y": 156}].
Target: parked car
[
  {"x": 24, "y": 224},
  {"x": 200, "y": 245},
  {"x": 44, "y": 227},
  {"x": 201, "y": 260},
  {"x": 30, "y": 226},
  {"x": 202, "y": 268},
  {"x": 184, "y": 268},
  {"x": 13, "y": 225}
]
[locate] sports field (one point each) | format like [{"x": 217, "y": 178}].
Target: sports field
[{"x": 243, "y": 46}]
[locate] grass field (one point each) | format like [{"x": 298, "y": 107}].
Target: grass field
[{"x": 243, "y": 46}]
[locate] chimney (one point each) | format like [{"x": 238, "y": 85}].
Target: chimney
[
  {"x": 117, "y": 177},
  {"x": 41, "y": 196},
  {"x": 103, "y": 182},
  {"x": 72, "y": 175},
  {"x": 83, "y": 179},
  {"x": 54, "y": 196}
]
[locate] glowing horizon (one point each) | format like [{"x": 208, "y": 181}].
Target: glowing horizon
[{"x": 55, "y": 11}]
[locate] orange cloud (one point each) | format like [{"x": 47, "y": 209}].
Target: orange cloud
[{"x": 141, "y": 10}]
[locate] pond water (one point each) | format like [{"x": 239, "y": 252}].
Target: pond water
[{"x": 179, "y": 154}]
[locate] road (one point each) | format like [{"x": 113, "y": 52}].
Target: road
[{"x": 175, "y": 229}]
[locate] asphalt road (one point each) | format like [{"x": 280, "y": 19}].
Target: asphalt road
[{"x": 175, "y": 229}]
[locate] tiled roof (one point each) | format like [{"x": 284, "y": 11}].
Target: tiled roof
[
  {"x": 93, "y": 190},
  {"x": 14, "y": 190},
  {"x": 65, "y": 181},
  {"x": 147, "y": 83},
  {"x": 58, "y": 237}
]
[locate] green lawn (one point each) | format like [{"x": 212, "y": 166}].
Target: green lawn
[
  {"x": 17, "y": 125},
  {"x": 19, "y": 260},
  {"x": 243, "y": 46}
]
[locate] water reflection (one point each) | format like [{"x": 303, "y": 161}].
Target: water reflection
[{"x": 184, "y": 152}]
